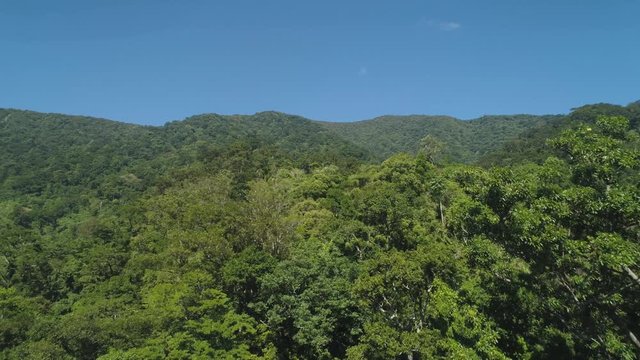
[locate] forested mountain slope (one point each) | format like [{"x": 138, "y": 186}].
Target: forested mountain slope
[
  {"x": 464, "y": 141},
  {"x": 43, "y": 149},
  {"x": 54, "y": 156},
  {"x": 59, "y": 153},
  {"x": 297, "y": 138},
  {"x": 37, "y": 147},
  {"x": 269, "y": 237},
  {"x": 400, "y": 260},
  {"x": 530, "y": 145},
  {"x": 53, "y": 164}
]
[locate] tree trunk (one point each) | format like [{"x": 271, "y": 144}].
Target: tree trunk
[
  {"x": 634, "y": 339},
  {"x": 632, "y": 274}
]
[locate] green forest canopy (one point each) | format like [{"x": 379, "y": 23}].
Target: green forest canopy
[{"x": 273, "y": 236}]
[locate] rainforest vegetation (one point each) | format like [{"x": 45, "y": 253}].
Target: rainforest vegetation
[{"x": 276, "y": 237}]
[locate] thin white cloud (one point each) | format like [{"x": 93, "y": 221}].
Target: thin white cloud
[
  {"x": 439, "y": 25},
  {"x": 449, "y": 26}
]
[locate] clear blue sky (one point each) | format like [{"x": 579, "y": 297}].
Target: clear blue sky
[{"x": 150, "y": 61}]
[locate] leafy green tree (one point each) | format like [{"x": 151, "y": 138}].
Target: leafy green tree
[{"x": 306, "y": 302}]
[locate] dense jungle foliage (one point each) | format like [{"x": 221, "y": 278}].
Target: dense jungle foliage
[{"x": 275, "y": 237}]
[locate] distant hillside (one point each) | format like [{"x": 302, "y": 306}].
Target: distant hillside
[
  {"x": 54, "y": 153},
  {"x": 465, "y": 141},
  {"x": 530, "y": 145},
  {"x": 44, "y": 149},
  {"x": 47, "y": 156},
  {"x": 301, "y": 140},
  {"x": 589, "y": 113}
]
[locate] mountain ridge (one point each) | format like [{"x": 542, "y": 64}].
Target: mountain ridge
[
  {"x": 487, "y": 140},
  {"x": 467, "y": 140},
  {"x": 282, "y": 113}
]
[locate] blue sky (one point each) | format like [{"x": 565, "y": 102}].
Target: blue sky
[{"x": 151, "y": 61}]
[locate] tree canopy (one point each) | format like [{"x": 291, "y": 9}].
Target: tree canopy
[{"x": 268, "y": 237}]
